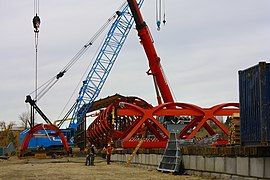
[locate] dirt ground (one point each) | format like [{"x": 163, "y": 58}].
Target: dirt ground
[{"x": 74, "y": 168}]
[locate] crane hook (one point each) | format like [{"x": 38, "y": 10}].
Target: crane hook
[
  {"x": 36, "y": 23},
  {"x": 158, "y": 25}
]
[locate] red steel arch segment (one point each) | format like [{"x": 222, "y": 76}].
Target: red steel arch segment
[
  {"x": 38, "y": 127},
  {"x": 126, "y": 120},
  {"x": 166, "y": 109},
  {"x": 177, "y": 109},
  {"x": 225, "y": 109},
  {"x": 108, "y": 125},
  {"x": 183, "y": 109},
  {"x": 146, "y": 119}
]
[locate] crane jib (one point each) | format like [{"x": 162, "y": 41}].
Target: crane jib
[
  {"x": 149, "y": 48},
  {"x": 103, "y": 64}
]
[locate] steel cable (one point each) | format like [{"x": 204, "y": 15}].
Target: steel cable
[{"x": 49, "y": 84}]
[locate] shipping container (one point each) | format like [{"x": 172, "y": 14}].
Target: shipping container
[{"x": 254, "y": 96}]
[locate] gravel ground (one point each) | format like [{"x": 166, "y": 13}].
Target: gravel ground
[{"x": 74, "y": 168}]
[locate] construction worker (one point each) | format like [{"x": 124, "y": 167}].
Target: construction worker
[
  {"x": 87, "y": 151},
  {"x": 92, "y": 154},
  {"x": 109, "y": 152}
]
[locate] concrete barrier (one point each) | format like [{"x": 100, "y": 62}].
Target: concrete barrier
[
  {"x": 216, "y": 167},
  {"x": 230, "y": 165},
  {"x": 257, "y": 167},
  {"x": 267, "y": 167},
  {"x": 209, "y": 164},
  {"x": 219, "y": 167},
  {"x": 242, "y": 164}
]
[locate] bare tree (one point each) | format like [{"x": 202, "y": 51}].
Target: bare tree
[
  {"x": 10, "y": 125},
  {"x": 6, "y": 134},
  {"x": 25, "y": 119},
  {"x": 3, "y": 125}
]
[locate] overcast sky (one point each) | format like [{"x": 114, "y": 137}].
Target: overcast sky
[{"x": 202, "y": 47}]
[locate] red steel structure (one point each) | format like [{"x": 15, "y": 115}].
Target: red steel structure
[
  {"x": 33, "y": 130},
  {"x": 226, "y": 109},
  {"x": 126, "y": 121}
]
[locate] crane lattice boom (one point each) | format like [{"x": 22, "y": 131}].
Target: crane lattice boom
[{"x": 102, "y": 66}]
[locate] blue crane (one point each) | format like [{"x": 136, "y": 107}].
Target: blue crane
[
  {"x": 103, "y": 64},
  {"x": 94, "y": 81}
]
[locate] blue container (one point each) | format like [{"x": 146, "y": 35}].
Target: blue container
[{"x": 254, "y": 95}]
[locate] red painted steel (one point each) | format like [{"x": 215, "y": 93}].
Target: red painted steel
[
  {"x": 149, "y": 48},
  {"x": 108, "y": 125},
  {"x": 38, "y": 127},
  {"x": 226, "y": 109},
  {"x": 125, "y": 123}
]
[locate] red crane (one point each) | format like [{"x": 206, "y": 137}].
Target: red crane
[
  {"x": 154, "y": 60},
  {"x": 127, "y": 120}
]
